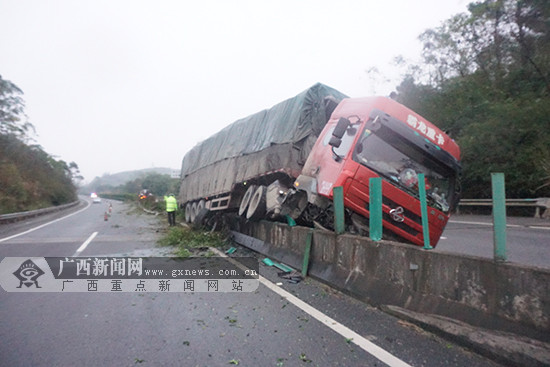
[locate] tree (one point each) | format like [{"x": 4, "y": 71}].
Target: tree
[
  {"x": 488, "y": 87},
  {"x": 12, "y": 117},
  {"x": 157, "y": 184},
  {"x": 502, "y": 40},
  {"x": 29, "y": 177}
]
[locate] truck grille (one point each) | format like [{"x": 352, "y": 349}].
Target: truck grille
[{"x": 407, "y": 213}]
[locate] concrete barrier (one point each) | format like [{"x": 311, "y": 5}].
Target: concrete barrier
[{"x": 478, "y": 291}]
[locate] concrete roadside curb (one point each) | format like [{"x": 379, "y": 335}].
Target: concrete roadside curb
[{"x": 506, "y": 348}]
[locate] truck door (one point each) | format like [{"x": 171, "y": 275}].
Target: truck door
[{"x": 333, "y": 157}]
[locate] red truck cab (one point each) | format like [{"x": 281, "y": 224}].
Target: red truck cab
[{"x": 379, "y": 137}]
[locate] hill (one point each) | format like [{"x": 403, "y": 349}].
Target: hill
[{"x": 109, "y": 182}]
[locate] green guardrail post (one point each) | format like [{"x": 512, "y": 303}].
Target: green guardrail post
[
  {"x": 290, "y": 221},
  {"x": 338, "y": 200},
  {"x": 307, "y": 252},
  {"x": 424, "y": 211},
  {"x": 499, "y": 215},
  {"x": 375, "y": 208}
]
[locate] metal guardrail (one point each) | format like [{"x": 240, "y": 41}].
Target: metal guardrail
[
  {"x": 14, "y": 217},
  {"x": 541, "y": 205}
]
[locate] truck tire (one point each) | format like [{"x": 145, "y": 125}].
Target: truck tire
[
  {"x": 188, "y": 210},
  {"x": 200, "y": 205},
  {"x": 193, "y": 211},
  {"x": 201, "y": 217},
  {"x": 256, "y": 207},
  {"x": 246, "y": 199}
]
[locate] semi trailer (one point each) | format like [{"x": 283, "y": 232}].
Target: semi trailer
[{"x": 284, "y": 162}]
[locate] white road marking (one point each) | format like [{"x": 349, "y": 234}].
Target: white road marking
[
  {"x": 487, "y": 224},
  {"x": 341, "y": 329},
  {"x": 85, "y": 244},
  {"x": 44, "y": 225}
]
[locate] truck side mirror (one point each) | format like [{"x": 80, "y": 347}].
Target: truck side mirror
[
  {"x": 341, "y": 127},
  {"x": 335, "y": 141},
  {"x": 339, "y": 132}
]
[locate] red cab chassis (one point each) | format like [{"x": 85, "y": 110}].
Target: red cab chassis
[{"x": 378, "y": 137}]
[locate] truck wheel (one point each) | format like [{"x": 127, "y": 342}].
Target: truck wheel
[
  {"x": 256, "y": 208},
  {"x": 193, "y": 211},
  {"x": 246, "y": 199},
  {"x": 201, "y": 217},
  {"x": 200, "y": 205},
  {"x": 188, "y": 210}
]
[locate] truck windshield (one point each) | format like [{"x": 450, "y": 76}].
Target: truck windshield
[{"x": 400, "y": 162}]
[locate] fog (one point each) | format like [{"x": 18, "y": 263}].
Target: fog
[{"x": 123, "y": 85}]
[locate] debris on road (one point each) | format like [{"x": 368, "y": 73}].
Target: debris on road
[
  {"x": 283, "y": 267},
  {"x": 291, "y": 276}
]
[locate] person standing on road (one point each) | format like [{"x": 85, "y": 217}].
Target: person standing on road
[{"x": 171, "y": 206}]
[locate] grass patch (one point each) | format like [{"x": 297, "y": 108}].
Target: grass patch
[{"x": 190, "y": 241}]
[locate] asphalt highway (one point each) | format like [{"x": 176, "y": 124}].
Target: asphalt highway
[
  {"x": 527, "y": 239},
  {"x": 278, "y": 324}
]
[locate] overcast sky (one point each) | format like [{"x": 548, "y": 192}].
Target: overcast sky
[{"x": 120, "y": 85}]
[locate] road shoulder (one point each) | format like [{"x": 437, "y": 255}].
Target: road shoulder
[{"x": 502, "y": 347}]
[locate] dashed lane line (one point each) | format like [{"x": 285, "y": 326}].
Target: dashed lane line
[{"x": 85, "y": 244}]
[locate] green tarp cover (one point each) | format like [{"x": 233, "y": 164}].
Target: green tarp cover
[{"x": 293, "y": 123}]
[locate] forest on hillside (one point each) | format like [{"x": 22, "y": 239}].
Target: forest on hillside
[
  {"x": 485, "y": 79},
  {"x": 30, "y": 178}
]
